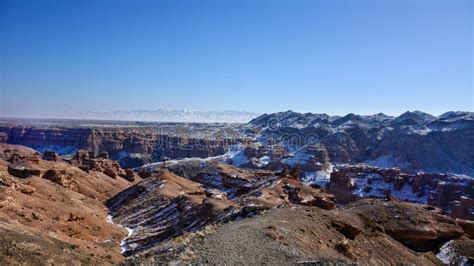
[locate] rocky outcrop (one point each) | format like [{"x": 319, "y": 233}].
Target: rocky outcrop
[
  {"x": 453, "y": 194},
  {"x": 340, "y": 186},
  {"x": 22, "y": 171},
  {"x": 416, "y": 226},
  {"x": 51, "y": 156},
  {"x": 61, "y": 178},
  {"x": 100, "y": 162},
  {"x": 467, "y": 226},
  {"x": 57, "y": 212}
]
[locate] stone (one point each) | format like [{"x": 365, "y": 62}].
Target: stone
[
  {"x": 467, "y": 227},
  {"x": 51, "y": 156},
  {"x": 348, "y": 230},
  {"x": 103, "y": 155},
  {"x": 145, "y": 174},
  {"x": 37, "y": 216},
  {"x": 110, "y": 172},
  {"x": 22, "y": 171},
  {"x": 216, "y": 194},
  {"x": 61, "y": 178},
  {"x": 25, "y": 189},
  {"x": 129, "y": 175}
]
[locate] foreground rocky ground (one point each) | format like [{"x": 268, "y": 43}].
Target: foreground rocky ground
[
  {"x": 53, "y": 213},
  {"x": 86, "y": 209},
  {"x": 364, "y": 233}
]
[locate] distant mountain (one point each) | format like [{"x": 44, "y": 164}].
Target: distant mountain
[
  {"x": 173, "y": 115},
  {"x": 417, "y": 118},
  {"x": 413, "y": 141}
]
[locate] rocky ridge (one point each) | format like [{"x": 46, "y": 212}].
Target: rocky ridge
[
  {"x": 414, "y": 141},
  {"x": 364, "y": 232},
  {"x": 165, "y": 205}
]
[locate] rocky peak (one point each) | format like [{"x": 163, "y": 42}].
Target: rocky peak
[{"x": 415, "y": 118}]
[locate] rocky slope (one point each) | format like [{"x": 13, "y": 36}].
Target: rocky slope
[
  {"x": 414, "y": 141},
  {"x": 165, "y": 205},
  {"x": 364, "y": 233},
  {"x": 53, "y": 213}
]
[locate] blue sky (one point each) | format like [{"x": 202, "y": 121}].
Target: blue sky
[{"x": 58, "y": 58}]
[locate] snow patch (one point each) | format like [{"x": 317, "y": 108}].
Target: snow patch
[
  {"x": 61, "y": 150},
  {"x": 130, "y": 232},
  {"x": 123, "y": 243},
  {"x": 448, "y": 255},
  {"x": 388, "y": 161},
  {"x": 378, "y": 186},
  {"x": 320, "y": 178}
]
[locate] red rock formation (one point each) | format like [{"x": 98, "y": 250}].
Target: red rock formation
[
  {"x": 148, "y": 143},
  {"x": 341, "y": 186},
  {"x": 454, "y": 195},
  {"x": 51, "y": 156}
]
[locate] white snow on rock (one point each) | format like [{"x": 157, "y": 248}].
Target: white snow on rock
[
  {"x": 447, "y": 254},
  {"x": 388, "y": 161},
  {"x": 320, "y": 178},
  {"x": 123, "y": 243},
  {"x": 379, "y": 186},
  {"x": 298, "y": 156},
  {"x": 130, "y": 231}
]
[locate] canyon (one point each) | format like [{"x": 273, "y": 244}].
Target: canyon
[
  {"x": 283, "y": 188},
  {"x": 413, "y": 141}
]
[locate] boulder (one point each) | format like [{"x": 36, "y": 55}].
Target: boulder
[
  {"x": 323, "y": 203},
  {"x": 103, "y": 155},
  {"x": 347, "y": 229},
  {"x": 61, "y": 178},
  {"x": 51, "y": 156},
  {"x": 467, "y": 226},
  {"x": 22, "y": 171},
  {"x": 415, "y": 226},
  {"x": 145, "y": 174},
  {"x": 129, "y": 175},
  {"x": 85, "y": 168},
  {"x": 110, "y": 172},
  {"x": 215, "y": 194},
  {"x": 25, "y": 189},
  {"x": 340, "y": 185}
]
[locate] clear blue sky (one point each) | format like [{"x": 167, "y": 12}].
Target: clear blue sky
[{"x": 58, "y": 58}]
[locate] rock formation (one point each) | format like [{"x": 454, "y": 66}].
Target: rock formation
[
  {"x": 55, "y": 214},
  {"x": 453, "y": 194},
  {"x": 132, "y": 145},
  {"x": 166, "y": 205}
]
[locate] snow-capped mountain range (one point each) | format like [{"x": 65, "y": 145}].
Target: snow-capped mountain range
[{"x": 172, "y": 115}]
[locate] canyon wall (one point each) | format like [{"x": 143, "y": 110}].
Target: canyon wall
[{"x": 132, "y": 147}]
